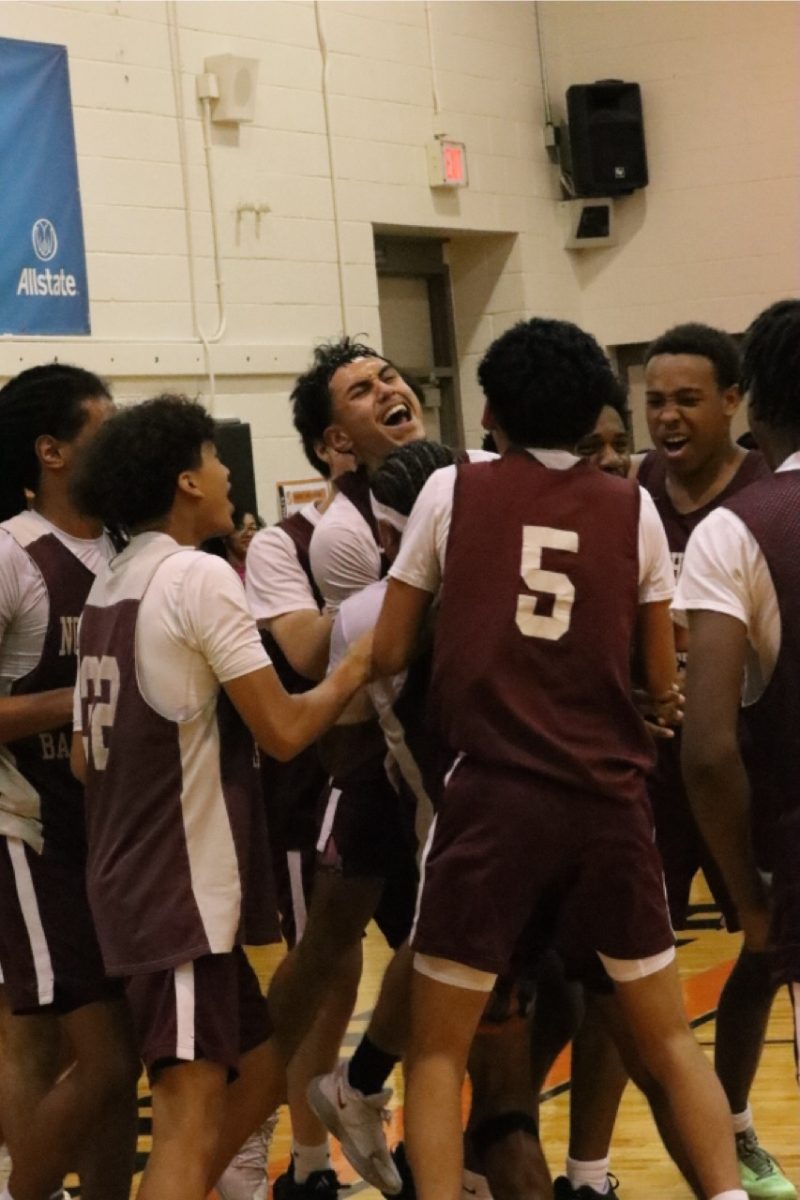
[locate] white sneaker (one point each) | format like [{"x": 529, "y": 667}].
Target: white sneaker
[
  {"x": 5, "y": 1165},
  {"x": 475, "y": 1186},
  {"x": 245, "y": 1177},
  {"x": 357, "y": 1121}
]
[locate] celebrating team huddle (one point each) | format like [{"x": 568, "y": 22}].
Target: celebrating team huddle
[{"x": 460, "y": 697}]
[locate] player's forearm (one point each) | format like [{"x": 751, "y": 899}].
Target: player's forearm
[
  {"x": 657, "y": 644},
  {"x": 39, "y": 712},
  {"x": 309, "y": 714},
  {"x": 719, "y": 793}
]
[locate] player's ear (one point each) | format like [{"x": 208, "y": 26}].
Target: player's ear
[
  {"x": 731, "y": 399},
  {"x": 49, "y": 452},
  {"x": 338, "y": 439},
  {"x": 188, "y": 484}
]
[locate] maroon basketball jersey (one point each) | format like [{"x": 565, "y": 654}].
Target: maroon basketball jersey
[
  {"x": 678, "y": 526},
  {"x": 292, "y": 789},
  {"x": 160, "y": 894},
  {"x": 43, "y": 758},
  {"x": 355, "y": 486},
  {"x": 771, "y": 511},
  {"x": 534, "y": 635},
  {"x": 299, "y": 529}
]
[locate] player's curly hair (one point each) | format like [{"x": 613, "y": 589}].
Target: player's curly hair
[
  {"x": 42, "y": 400},
  {"x": 128, "y": 473},
  {"x": 311, "y": 397},
  {"x": 312, "y": 408},
  {"x": 546, "y": 382},
  {"x": 706, "y": 342},
  {"x": 771, "y": 364},
  {"x": 401, "y": 476}
]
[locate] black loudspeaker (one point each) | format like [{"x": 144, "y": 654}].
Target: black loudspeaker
[
  {"x": 235, "y": 448},
  {"x": 606, "y": 138}
]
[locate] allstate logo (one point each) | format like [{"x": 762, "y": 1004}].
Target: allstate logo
[{"x": 44, "y": 238}]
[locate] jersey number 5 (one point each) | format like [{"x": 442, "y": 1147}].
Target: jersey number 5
[
  {"x": 535, "y": 539},
  {"x": 99, "y": 694}
]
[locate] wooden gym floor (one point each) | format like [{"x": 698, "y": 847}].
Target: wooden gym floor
[{"x": 637, "y": 1157}]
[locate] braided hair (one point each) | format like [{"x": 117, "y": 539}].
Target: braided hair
[
  {"x": 45, "y": 400},
  {"x": 403, "y": 473},
  {"x": 771, "y": 364}
]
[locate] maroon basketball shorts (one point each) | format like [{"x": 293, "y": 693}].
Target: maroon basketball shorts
[
  {"x": 683, "y": 851},
  {"x": 512, "y": 853},
  {"x": 49, "y": 953},
  {"x": 210, "y": 1009},
  {"x": 368, "y": 832},
  {"x": 293, "y": 795}
]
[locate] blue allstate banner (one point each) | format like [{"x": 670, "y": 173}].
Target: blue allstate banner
[{"x": 43, "y": 286}]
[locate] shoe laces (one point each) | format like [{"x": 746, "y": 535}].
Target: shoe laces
[
  {"x": 378, "y": 1101},
  {"x": 753, "y": 1155}
]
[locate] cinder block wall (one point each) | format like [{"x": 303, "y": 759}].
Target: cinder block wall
[{"x": 714, "y": 236}]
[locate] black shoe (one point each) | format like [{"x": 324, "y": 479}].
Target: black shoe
[
  {"x": 320, "y": 1185},
  {"x": 409, "y": 1192},
  {"x": 563, "y": 1190}
]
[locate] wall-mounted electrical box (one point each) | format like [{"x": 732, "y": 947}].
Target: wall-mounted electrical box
[{"x": 236, "y": 83}]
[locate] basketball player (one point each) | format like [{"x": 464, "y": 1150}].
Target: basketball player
[
  {"x": 535, "y": 725},
  {"x": 608, "y": 446},
  {"x": 287, "y": 605},
  {"x": 692, "y": 394},
  {"x": 502, "y": 1138},
  {"x": 351, "y": 401},
  {"x": 739, "y": 590},
  {"x": 173, "y": 686},
  {"x": 51, "y": 963},
  {"x": 354, "y": 400}
]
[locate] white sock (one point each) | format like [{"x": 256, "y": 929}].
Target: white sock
[
  {"x": 476, "y": 1185},
  {"x": 307, "y": 1159},
  {"x": 742, "y": 1121},
  {"x": 593, "y": 1174},
  {"x": 733, "y": 1194}
]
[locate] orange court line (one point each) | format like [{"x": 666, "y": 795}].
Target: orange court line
[{"x": 700, "y": 996}]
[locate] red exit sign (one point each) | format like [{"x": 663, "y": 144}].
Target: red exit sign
[{"x": 447, "y": 163}]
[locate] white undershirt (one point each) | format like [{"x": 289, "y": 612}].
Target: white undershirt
[
  {"x": 24, "y": 603},
  {"x": 275, "y": 583},
  {"x": 420, "y": 561},
  {"x": 724, "y": 570},
  {"x": 344, "y": 555},
  {"x": 194, "y": 631}
]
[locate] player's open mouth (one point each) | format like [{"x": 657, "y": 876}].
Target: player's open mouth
[
  {"x": 398, "y": 414},
  {"x": 674, "y": 445}
]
